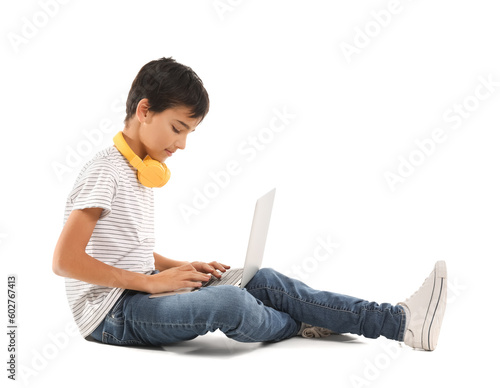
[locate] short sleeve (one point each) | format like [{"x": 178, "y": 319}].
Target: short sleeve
[{"x": 96, "y": 187}]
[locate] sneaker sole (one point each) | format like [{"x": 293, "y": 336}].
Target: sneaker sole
[{"x": 436, "y": 309}]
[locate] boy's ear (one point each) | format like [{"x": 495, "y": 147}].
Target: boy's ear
[{"x": 142, "y": 110}]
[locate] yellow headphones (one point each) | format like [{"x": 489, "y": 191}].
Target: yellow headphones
[{"x": 150, "y": 172}]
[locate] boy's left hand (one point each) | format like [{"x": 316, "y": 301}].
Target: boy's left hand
[{"x": 211, "y": 267}]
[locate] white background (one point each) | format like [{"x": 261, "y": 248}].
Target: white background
[{"x": 354, "y": 116}]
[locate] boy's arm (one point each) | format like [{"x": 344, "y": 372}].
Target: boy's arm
[
  {"x": 70, "y": 260},
  {"x": 162, "y": 263}
]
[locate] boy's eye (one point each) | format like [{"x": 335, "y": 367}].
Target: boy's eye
[{"x": 175, "y": 129}]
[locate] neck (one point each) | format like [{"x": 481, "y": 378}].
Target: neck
[{"x": 131, "y": 135}]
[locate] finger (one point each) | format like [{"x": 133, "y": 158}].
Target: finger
[
  {"x": 204, "y": 277},
  {"x": 216, "y": 273},
  {"x": 209, "y": 268},
  {"x": 192, "y": 284},
  {"x": 221, "y": 267}
]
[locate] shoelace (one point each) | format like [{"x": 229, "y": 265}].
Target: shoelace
[
  {"x": 407, "y": 299},
  {"x": 316, "y": 332}
]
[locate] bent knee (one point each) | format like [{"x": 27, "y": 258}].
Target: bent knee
[{"x": 266, "y": 273}]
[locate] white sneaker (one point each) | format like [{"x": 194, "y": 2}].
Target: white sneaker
[{"x": 425, "y": 310}]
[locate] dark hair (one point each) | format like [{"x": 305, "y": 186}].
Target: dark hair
[{"x": 168, "y": 84}]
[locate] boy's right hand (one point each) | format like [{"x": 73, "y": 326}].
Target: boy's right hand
[{"x": 175, "y": 278}]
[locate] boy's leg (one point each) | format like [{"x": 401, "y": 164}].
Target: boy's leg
[
  {"x": 337, "y": 312},
  {"x": 138, "y": 320}
]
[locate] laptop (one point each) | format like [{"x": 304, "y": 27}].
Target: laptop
[{"x": 239, "y": 277}]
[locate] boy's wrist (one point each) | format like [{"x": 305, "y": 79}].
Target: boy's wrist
[
  {"x": 145, "y": 283},
  {"x": 134, "y": 281}
]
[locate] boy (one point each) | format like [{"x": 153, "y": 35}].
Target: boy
[{"x": 106, "y": 249}]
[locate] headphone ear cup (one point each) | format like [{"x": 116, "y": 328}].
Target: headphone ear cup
[{"x": 153, "y": 173}]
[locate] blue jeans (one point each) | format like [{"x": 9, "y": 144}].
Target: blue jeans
[{"x": 270, "y": 308}]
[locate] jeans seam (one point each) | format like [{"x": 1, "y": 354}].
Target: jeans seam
[
  {"x": 191, "y": 325},
  {"x": 302, "y": 300}
]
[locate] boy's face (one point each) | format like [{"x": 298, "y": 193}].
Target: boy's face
[{"x": 161, "y": 134}]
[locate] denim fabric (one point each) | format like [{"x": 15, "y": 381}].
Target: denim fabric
[{"x": 270, "y": 308}]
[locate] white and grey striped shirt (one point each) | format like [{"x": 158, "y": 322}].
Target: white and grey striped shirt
[{"x": 123, "y": 236}]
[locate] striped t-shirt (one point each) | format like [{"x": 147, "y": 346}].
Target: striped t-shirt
[{"x": 123, "y": 236}]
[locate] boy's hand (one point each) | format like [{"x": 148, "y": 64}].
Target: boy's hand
[
  {"x": 175, "y": 278},
  {"x": 210, "y": 268}
]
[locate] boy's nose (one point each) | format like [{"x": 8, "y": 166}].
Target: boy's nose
[{"x": 181, "y": 144}]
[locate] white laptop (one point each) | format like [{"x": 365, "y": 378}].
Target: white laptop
[{"x": 239, "y": 277}]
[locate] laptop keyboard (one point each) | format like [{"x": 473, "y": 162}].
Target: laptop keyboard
[{"x": 231, "y": 276}]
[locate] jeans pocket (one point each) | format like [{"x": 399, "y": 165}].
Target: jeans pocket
[
  {"x": 116, "y": 313},
  {"x": 115, "y": 331}
]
